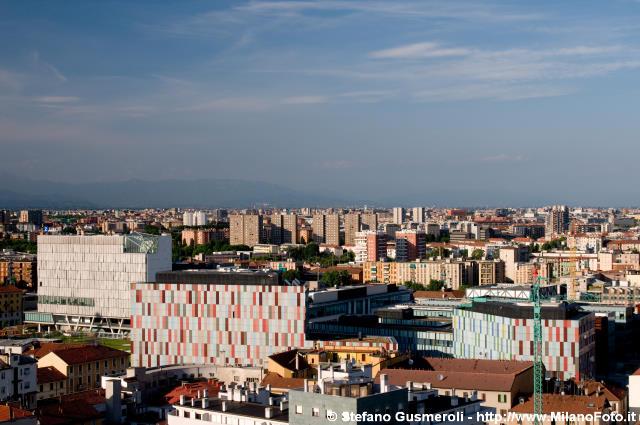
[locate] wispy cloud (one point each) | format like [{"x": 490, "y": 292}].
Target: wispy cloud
[
  {"x": 419, "y": 50},
  {"x": 503, "y": 157},
  {"x": 304, "y": 100},
  {"x": 57, "y": 99}
]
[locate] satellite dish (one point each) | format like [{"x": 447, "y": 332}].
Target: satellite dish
[{"x": 410, "y": 362}]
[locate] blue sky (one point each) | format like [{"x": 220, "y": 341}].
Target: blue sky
[{"x": 388, "y": 101}]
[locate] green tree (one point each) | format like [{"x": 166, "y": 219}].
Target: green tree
[
  {"x": 435, "y": 285},
  {"x": 477, "y": 254},
  {"x": 152, "y": 230},
  {"x": 291, "y": 275},
  {"x": 336, "y": 278},
  {"x": 69, "y": 230}
]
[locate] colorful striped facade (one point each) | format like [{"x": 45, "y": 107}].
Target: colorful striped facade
[
  {"x": 568, "y": 345},
  {"x": 214, "y": 323}
]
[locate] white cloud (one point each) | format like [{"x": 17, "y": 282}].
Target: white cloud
[{"x": 419, "y": 50}]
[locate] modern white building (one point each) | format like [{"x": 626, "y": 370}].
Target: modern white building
[
  {"x": 187, "y": 218},
  {"x": 84, "y": 281},
  {"x": 196, "y": 218}
]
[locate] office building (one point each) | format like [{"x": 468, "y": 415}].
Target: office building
[
  {"x": 352, "y": 224},
  {"x": 235, "y": 317},
  {"x": 284, "y": 229},
  {"x": 84, "y": 281},
  {"x": 245, "y": 230},
  {"x": 504, "y": 331}
]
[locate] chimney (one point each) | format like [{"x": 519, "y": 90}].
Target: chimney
[
  {"x": 410, "y": 385},
  {"x": 193, "y": 402},
  {"x": 454, "y": 400},
  {"x": 182, "y": 399},
  {"x": 206, "y": 393},
  {"x": 306, "y": 385},
  {"x": 270, "y": 401},
  {"x": 384, "y": 383},
  {"x": 224, "y": 405},
  {"x": 297, "y": 361},
  {"x": 205, "y": 403},
  {"x": 268, "y": 412}
]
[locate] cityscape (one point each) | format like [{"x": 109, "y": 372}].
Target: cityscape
[{"x": 300, "y": 212}]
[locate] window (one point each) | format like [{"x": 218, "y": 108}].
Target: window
[
  {"x": 79, "y": 369},
  {"x": 106, "y": 364},
  {"x": 88, "y": 367},
  {"x": 40, "y": 388},
  {"x": 483, "y": 397},
  {"x": 97, "y": 380},
  {"x": 50, "y": 387},
  {"x": 27, "y": 371},
  {"x": 315, "y": 412},
  {"x": 298, "y": 409},
  {"x": 62, "y": 384}
]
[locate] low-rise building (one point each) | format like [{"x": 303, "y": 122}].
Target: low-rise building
[{"x": 85, "y": 365}]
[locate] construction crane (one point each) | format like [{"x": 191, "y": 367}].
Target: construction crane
[{"x": 537, "y": 348}]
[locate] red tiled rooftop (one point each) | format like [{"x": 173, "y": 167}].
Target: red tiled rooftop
[
  {"x": 277, "y": 381},
  {"x": 450, "y": 379},
  {"x": 49, "y": 374},
  {"x": 571, "y": 404},
  {"x": 8, "y": 413},
  {"x": 42, "y": 349},
  {"x": 9, "y": 289},
  {"x": 190, "y": 390},
  {"x": 89, "y": 353}
]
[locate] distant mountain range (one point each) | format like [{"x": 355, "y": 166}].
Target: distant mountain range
[{"x": 17, "y": 192}]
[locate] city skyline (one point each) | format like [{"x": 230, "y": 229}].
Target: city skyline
[{"x": 466, "y": 104}]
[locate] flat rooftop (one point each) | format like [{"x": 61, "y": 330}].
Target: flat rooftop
[{"x": 218, "y": 277}]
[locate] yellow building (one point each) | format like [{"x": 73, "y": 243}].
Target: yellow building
[
  {"x": 379, "y": 271},
  {"x": 51, "y": 383},
  {"x": 85, "y": 365},
  {"x": 10, "y": 305},
  {"x": 377, "y": 357}
]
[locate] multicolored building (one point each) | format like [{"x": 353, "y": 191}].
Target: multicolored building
[
  {"x": 237, "y": 317},
  {"x": 504, "y": 331}
]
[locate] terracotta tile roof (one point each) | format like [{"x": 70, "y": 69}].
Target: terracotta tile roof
[
  {"x": 287, "y": 359},
  {"x": 439, "y": 294},
  {"x": 481, "y": 381},
  {"x": 7, "y": 413},
  {"x": 278, "y": 382},
  {"x": 42, "y": 349},
  {"x": 49, "y": 374},
  {"x": 71, "y": 409},
  {"x": 190, "y": 390},
  {"x": 9, "y": 289},
  {"x": 89, "y": 353},
  {"x": 478, "y": 365},
  {"x": 637, "y": 372},
  {"x": 611, "y": 392},
  {"x": 571, "y": 404}
]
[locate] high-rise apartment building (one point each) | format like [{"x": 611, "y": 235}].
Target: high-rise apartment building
[
  {"x": 326, "y": 229},
  {"x": 417, "y": 214},
  {"x": 369, "y": 221},
  {"x": 245, "y": 229},
  {"x": 187, "y": 218},
  {"x": 557, "y": 220},
  {"x": 415, "y": 246},
  {"x": 370, "y": 246},
  {"x": 84, "y": 281},
  {"x": 352, "y": 224},
  {"x": 284, "y": 228},
  {"x": 398, "y": 215},
  {"x": 31, "y": 216}
]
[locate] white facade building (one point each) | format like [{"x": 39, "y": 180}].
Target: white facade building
[
  {"x": 187, "y": 218},
  {"x": 84, "y": 281}
]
